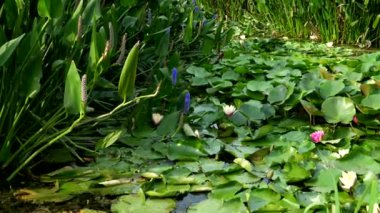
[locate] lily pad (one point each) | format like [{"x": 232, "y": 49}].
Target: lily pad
[
  {"x": 372, "y": 101},
  {"x": 331, "y": 88},
  {"x": 137, "y": 203},
  {"x": 338, "y": 109}
]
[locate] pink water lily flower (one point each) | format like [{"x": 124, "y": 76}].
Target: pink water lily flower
[{"x": 317, "y": 136}]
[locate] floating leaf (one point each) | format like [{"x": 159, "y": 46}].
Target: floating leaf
[
  {"x": 278, "y": 94},
  {"x": 338, "y": 109},
  {"x": 294, "y": 172},
  {"x": 325, "y": 180},
  {"x": 331, "y": 88},
  {"x": 259, "y": 198},
  {"x": 179, "y": 151},
  {"x": 262, "y": 86},
  {"x": 218, "y": 206},
  {"x": 225, "y": 191},
  {"x": 372, "y": 101},
  {"x": 110, "y": 139},
  {"x": 136, "y": 203},
  {"x": 168, "y": 124}
]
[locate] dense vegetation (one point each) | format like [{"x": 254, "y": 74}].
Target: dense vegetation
[
  {"x": 341, "y": 21},
  {"x": 165, "y": 106}
]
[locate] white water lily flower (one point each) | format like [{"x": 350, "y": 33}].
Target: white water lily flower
[
  {"x": 197, "y": 134},
  {"x": 157, "y": 117},
  {"x": 347, "y": 179},
  {"x": 376, "y": 208},
  {"x": 214, "y": 126},
  {"x": 229, "y": 109},
  {"x": 313, "y": 37},
  {"x": 341, "y": 153},
  {"x": 330, "y": 44}
]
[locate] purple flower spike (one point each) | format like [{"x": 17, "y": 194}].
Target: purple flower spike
[
  {"x": 186, "y": 107},
  {"x": 174, "y": 76},
  {"x": 196, "y": 9}
]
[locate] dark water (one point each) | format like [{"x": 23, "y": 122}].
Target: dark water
[{"x": 188, "y": 200}]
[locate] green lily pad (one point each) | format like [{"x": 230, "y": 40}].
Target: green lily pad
[
  {"x": 278, "y": 94},
  {"x": 212, "y": 205},
  {"x": 259, "y": 198},
  {"x": 338, "y": 109},
  {"x": 325, "y": 180},
  {"x": 358, "y": 162},
  {"x": 199, "y": 72},
  {"x": 262, "y": 86},
  {"x": 295, "y": 172},
  {"x": 136, "y": 203},
  {"x": 225, "y": 191},
  {"x": 331, "y": 88},
  {"x": 372, "y": 101}
]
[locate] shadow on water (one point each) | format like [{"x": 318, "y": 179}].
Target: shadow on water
[{"x": 188, "y": 200}]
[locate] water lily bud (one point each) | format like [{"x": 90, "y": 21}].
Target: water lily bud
[
  {"x": 157, "y": 117},
  {"x": 150, "y": 175},
  {"x": 186, "y": 107},
  {"x": 229, "y": 110},
  {"x": 317, "y": 136},
  {"x": 347, "y": 179},
  {"x": 355, "y": 120},
  {"x": 174, "y": 76},
  {"x": 245, "y": 164}
]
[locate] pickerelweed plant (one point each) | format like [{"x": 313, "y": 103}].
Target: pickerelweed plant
[{"x": 42, "y": 103}]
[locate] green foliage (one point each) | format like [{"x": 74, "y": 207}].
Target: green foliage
[
  {"x": 261, "y": 157},
  {"x": 242, "y": 139},
  {"x": 45, "y": 41},
  {"x": 72, "y": 97},
  {"x": 128, "y": 74},
  {"x": 344, "y": 22}
]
